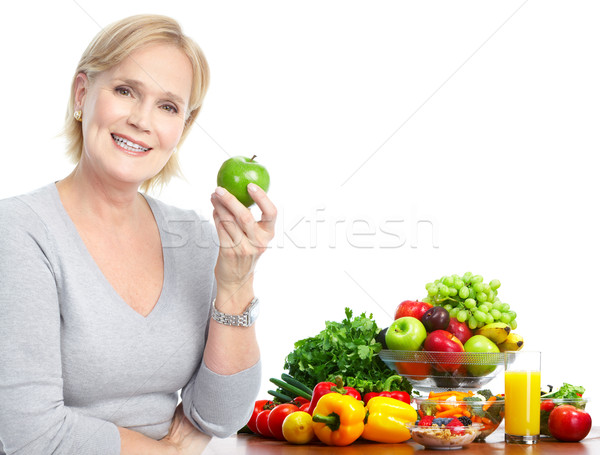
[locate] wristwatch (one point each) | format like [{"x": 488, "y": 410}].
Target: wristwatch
[{"x": 246, "y": 319}]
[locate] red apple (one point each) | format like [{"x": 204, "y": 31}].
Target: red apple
[
  {"x": 443, "y": 341},
  {"x": 567, "y": 423},
  {"x": 460, "y": 330},
  {"x": 412, "y": 308}
]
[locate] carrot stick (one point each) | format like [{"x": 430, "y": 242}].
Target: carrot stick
[
  {"x": 445, "y": 395},
  {"x": 489, "y": 403},
  {"x": 454, "y": 412},
  {"x": 486, "y": 420}
]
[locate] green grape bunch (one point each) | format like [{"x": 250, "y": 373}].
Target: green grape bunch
[{"x": 469, "y": 299}]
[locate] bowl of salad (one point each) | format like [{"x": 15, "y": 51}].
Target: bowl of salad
[
  {"x": 481, "y": 408},
  {"x": 567, "y": 394}
]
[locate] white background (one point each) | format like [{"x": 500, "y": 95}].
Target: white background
[{"x": 406, "y": 140}]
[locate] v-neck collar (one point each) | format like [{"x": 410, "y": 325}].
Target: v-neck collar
[{"x": 121, "y": 304}]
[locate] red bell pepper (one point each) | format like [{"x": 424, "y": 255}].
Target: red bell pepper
[
  {"x": 323, "y": 388},
  {"x": 387, "y": 385}
]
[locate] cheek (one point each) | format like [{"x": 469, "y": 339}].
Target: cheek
[
  {"x": 171, "y": 133},
  {"x": 104, "y": 111}
]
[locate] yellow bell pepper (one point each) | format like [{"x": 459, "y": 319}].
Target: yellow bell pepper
[
  {"x": 338, "y": 419},
  {"x": 387, "y": 420}
]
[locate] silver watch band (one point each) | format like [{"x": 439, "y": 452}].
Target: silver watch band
[{"x": 246, "y": 319}]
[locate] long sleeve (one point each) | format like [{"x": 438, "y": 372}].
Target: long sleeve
[
  {"x": 33, "y": 417},
  {"x": 220, "y": 405}
]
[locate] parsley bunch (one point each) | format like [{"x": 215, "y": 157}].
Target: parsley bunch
[{"x": 346, "y": 348}]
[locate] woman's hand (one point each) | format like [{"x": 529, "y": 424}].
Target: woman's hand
[
  {"x": 184, "y": 437},
  {"x": 242, "y": 238}
]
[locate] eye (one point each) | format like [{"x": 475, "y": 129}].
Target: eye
[
  {"x": 170, "y": 108},
  {"x": 123, "y": 91}
]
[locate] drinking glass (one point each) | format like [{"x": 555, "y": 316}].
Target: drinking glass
[{"x": 522, "y": 373}]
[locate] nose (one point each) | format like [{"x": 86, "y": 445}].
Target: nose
[{"x": 139, "y": 117}]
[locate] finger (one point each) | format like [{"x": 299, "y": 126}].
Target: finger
[
  {"x": 241, "y": 214},
  {"x": 228, "y": 232},
  {"x": 268, "y": 209}
]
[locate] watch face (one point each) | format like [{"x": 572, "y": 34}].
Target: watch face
[{"x": 254, "y": 313}]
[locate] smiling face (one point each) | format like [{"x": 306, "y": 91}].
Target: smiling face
[{"x": 134, "y": 114}]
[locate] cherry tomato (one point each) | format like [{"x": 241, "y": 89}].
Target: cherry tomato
[
  {"x": 259, "y": 406},
  {"x": 277, "y": 416},
  {"x": 262, "y": 423},
  {"x": 297, "y": 428}
]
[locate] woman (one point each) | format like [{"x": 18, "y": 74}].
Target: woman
[{"x": 106, "y": 295}]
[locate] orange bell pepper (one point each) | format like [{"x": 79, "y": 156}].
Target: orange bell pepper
[{"x": 338, "y": 419}]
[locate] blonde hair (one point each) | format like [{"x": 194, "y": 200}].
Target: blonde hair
[{"x": 110, "y": 47}]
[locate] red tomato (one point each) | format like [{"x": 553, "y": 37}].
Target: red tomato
[
  {"x": 567, "y": 423},
  {"x": 277, "y": 416},
  {"x": 547, "y": 405},
  {"x": 262, "y": 423},
  {"x": 259, "y": 406}
]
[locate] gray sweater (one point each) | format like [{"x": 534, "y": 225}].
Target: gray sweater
[{"x": 76, "y": 361}]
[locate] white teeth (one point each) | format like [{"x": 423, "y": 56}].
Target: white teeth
[{"x": 128, "y": 145}]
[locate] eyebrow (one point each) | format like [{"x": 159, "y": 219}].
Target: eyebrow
[{"x": 169, "y": 95}]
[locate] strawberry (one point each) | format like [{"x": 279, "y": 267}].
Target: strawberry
[
  {"x": 456, "y": 426},
  {"x": 426, "y": 421}
]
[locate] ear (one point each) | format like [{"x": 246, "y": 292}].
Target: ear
[{"x": 81, "y": 88}]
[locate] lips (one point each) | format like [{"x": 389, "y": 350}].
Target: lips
[{"x": 129, "y": 145}]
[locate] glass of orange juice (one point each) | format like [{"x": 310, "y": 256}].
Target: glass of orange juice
[{"x": 522, "y": 379}]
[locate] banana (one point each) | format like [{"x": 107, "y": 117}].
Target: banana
[
  {"x": 513, "y": 342},
  {"x": 496, "y": 331}
]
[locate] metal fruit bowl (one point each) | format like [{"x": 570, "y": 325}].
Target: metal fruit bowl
[{"x": 432, "y": 370}]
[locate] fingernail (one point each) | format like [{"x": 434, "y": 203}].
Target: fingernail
[
  {"x": 220, "y": 191},
  {"x": 252, "y": 187}
]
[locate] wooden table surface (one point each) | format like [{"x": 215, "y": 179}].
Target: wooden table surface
[{"x": 254, "y": 445}]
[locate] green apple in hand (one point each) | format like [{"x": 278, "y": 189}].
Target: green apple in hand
[
  {"x": 479, "y": 343},
  {"x": 237, "y": 172},
  {"x": 405, "y": 334}
]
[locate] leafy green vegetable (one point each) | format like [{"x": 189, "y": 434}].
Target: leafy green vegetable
[
  {"x": 346, "y": 348},
  {"x": 493, "y": 411},
  {"x": 567, "y": 391},
  {"x": 487, "y": 393},
  {"x": 472, "y": 399},
  {"x": 429, "y": 408}
]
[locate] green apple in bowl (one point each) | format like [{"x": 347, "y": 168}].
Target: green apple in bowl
[
  {"x": 236, "y": 173},
  {"x": 480, "y": 343},
  {"x": 405, "y": 334}
]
